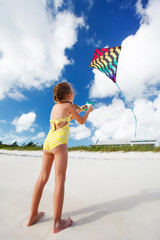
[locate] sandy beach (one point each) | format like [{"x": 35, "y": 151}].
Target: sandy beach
[{"x": 113, "y": 196}]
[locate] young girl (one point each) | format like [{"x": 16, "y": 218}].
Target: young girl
[{"x": 55, "y": 149}]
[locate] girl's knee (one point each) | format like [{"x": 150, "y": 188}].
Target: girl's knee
[
  {"x": 43, "y": 178},
  {"x": 60, "y": 179}
]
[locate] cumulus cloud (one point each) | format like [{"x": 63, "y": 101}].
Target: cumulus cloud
[
  {"x": 80, "y": 132},
  {"x": 101, "y": 86},
  {"x": 115, "y": 122},
  {"x": 3, "y": 121},
  {"x": 32, "y": 45},
  {"x": 58, "y": 3},
  {"x": 39, "y": 136},
  {"x": 138, "y": 69},
  {"x": 139, "y": 77},
  {"x": 11, "y": 137},
  {"x": 148, "y": 113},
  {"x": 112, "y": 122},
  {"x": 91, "y": 2},
  {"x": 24, "y": 122}
]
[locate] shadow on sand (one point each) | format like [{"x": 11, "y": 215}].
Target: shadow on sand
[{"x": 100, "y": 210}]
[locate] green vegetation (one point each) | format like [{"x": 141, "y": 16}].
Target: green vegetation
[
  {"x": 116, "y": 148},
  {"x": 31, "y": 146}
]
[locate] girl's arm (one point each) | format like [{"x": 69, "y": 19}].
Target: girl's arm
[
  {"x": 75, "y": 114},
  {"x": 78, "y": 111}
]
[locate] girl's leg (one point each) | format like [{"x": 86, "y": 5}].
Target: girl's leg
[
  {"x": 61, "y": 159},
  {"x": 47, "y": 162}
]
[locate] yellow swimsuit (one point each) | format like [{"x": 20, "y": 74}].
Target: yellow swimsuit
[{"x": 57, "y": 137}]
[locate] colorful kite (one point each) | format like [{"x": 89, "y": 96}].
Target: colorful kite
[{"x": 106, "y": 60}]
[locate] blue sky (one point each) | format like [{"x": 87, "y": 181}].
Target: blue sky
[{"x": 45, "y": 42}]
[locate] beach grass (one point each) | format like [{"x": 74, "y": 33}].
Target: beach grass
[
  {"x": 116, "y": 148},
  {"x": 31, "y": 146}
]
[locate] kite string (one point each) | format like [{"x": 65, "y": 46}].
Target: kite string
[{"x": 130, "y": 107}]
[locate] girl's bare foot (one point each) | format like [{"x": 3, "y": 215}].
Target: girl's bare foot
[
  {"x": 34, "y": 219},
  {"x": 64, "y": 223}
]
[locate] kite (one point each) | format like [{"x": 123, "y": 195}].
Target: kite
[{"x": 106, "y": 60}]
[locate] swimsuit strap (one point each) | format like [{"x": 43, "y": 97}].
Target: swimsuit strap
[
  {"x": 56, "y": 121},
  {"x": 60, "y": 119}
]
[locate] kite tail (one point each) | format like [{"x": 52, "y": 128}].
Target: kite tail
[{"x": 130, "y": 108}]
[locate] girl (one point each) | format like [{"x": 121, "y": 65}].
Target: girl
[{"x": 55, "y": 149}]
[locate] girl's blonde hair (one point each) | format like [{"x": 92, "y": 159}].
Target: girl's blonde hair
[{"x": 60, "y": 92}]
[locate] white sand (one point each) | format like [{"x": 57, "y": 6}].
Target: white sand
[{"x": 109, "y": 196}]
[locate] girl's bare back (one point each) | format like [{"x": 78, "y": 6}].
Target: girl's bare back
[{"x": 60, "y": 111}]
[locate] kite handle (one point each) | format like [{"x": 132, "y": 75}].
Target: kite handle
[
  {"x": 130, "y": 108},
  {"x": 87, "y": 104}
]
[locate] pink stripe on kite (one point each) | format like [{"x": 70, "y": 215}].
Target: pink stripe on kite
[
  {"x": 95, "y": 55},
  {"x": 100, "y": 53},
  {"x": 105, "y": 49}
]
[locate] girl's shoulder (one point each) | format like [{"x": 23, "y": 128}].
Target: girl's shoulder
[
  {"x": 60, "y": 110},
  {"x": 62, "y": 105}
]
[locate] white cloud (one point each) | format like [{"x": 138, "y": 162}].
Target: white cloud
[
  {"x": 148, "y": 113},
  {"x": 10, "y": 138},
  {"x": 115, "y": 122},
  {"x": 32, "y": 45},
  {"x": 80, "y": 132},
  {"x": 140, "y": 10},
  {"x": 90, "y": 2},
  {"x": 58, "y": 3},
  {"x": 16, "y": 94},
  {"x": 138, "y": 68},
  {"x": 92, "y": 41},
  {"x": 112, "y": 122},
  {"x": 3, "y": 121},
  {"x": 126, "y": 4},
  {"x": 24, "y": 122},
  {"x": 32, "y": 129},
  {"x": 38, "y": 136},
  {"x": 101, "y": 86}
]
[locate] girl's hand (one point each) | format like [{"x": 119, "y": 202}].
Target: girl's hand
[
  {"x": 83, "y": 107},
  {"x": 90, "y": 108}
]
